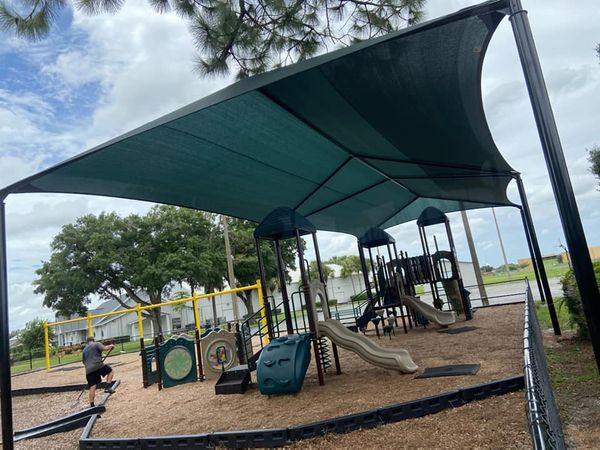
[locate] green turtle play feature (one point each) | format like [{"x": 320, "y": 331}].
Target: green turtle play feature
[{"x": 282, "y": 364}]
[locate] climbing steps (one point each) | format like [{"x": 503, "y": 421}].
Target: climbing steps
[{"x": 324, "y": 353}]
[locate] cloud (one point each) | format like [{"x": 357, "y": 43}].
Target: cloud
[{"x": 106, "y": 74}]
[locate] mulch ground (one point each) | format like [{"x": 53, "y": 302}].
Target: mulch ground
[{"x": 194, "y": 408}]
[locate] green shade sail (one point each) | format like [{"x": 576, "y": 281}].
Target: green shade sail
[{"x": 367, "y": 136}]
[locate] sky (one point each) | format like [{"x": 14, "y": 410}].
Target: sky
[{"x": 97, "y": 77}]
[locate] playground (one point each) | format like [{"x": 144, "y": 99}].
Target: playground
[{"x": 496, "y": 344}]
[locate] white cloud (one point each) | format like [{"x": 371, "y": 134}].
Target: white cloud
[{"x": 126, "y": 69}]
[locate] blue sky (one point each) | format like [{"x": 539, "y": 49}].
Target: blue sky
[{"x": 97, "y": 77}]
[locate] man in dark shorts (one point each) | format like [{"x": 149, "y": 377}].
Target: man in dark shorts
[{"x": 95, "y": 368}]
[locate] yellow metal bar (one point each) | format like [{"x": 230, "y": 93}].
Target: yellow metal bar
[
  {"x": 199, "y": 297},
  {"x": 263, "y": 316},
  {"x": 89, "y": 320},
  {"x": 196, "y": 315},
  {"x": 194, "y": 298},
  {"x": 61, "y": 322},
  {"x": 140, "y": 325},
  {"x": 47, "y": 345}
]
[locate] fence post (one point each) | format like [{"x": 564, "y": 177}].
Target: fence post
[
  {"x": 46, "y": 345},
  {"x": 89, "y": 323}
]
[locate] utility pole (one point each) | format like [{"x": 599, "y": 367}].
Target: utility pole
[
  {"x": 475, "y": 259},
  {"x": 501, "y": 244},
  {"x": 230, "y": 274}
]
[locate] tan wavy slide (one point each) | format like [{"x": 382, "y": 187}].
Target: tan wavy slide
[
  {"x": 429, "y": 312},
  {"x": 388, "y": 358}
]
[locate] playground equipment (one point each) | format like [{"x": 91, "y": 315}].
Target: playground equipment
[
  {"x": 429, "y": 312},
  {"x": 387, "y": 358},
  {"x": 283, "y": 363},
  {"x": 443, "y": 264}
]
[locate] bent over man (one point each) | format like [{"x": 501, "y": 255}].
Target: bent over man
[{"x": 95, "y": 368}]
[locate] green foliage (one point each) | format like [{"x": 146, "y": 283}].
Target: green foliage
[
  {"x": 111, "y": 256},
  {"x": 572, "y": 300},
  {"x": 594, "y": 158},
  {"x": 251, "y": 35},
  {"x": 32, "y": 336},
  {"x": 487, "y": 268},
  {"x": 350, "y": 264},
  {"x": 314, "y": 271}
]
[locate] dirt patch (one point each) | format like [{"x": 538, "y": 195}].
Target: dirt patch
[
  {"x": 194, "y": 408},
  {"x": 576, "y": 388}
]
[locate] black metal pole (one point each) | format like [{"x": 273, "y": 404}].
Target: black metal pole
[
  {"x": 5, "y": 387},
  {"x": 263, "y": 282},
  {"x": 534, "y": 262},
  {"x": 310, "y": 310},
  {"x": 461, "y": 285},
  {"x": 286, "y": 302},
  {"x": 559, "y": 175},
  {"x": 538, "y": 255},
  {"x": 365, "y": 271}
]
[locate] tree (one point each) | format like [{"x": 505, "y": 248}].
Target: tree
[
  {"x": 31, "y": 338},
  {"x": 487, "y": 268},
  {"x": 328, "y": 272},
  {"x": 250, "y": 35},
  {"x": 594, "y": 159},
  {"x": 136, "y": 257},
  {"x": 245, "y": 260}
]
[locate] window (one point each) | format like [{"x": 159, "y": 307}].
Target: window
[{"x": 176, "y": 323}]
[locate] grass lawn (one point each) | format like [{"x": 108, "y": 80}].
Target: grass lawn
[
  {"x": 544, "y": 315},
  {"x": 554, "y": 269},
  {"x": 40, "y": 362}
]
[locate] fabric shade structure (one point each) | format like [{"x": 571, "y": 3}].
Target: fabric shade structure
[
  {"x": 366, "y": 136},
  {"x": 431, "y": 216},
  {"x": 282, "y": 223},
  {"x": 375, "y": 237}
]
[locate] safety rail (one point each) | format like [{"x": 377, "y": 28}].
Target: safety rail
[{"x": 544, "y": 421}]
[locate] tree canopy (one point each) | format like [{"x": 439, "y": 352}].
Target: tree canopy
[
  {"x": 248, "y": 35},
  {"x": 139, "y": 257},
  {"x": 32, "y": 336},
  {"x": 143, "y": 257}
]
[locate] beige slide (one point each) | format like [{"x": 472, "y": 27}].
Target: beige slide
[
  {"x": 429, "y": 312},
  {"x": 388, "y": 358}
]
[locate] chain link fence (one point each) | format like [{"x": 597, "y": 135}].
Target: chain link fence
[{"x": 544, "y": 422}]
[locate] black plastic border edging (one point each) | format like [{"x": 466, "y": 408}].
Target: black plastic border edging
[
  {"x": 51, "y": 389},
  {"x": 65, "y": 423},
  {"x": 277, "y": 437}
]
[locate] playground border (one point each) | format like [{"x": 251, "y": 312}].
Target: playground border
[
  {"x": 278, "y": 437},
  {"x": 53, "y": 389},
  {"x": 65, "y": 423}
]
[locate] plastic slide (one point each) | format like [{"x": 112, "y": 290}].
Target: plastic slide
[
  {"x": 429, "y": 312},
  {"x": 388, "y": 358}
]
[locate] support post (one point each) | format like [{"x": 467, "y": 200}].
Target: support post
[
  {"x": 5, "y": 382},
  {"x": 365, "y": 271},
  {"x": 461, "y": 285},
  {"x": 140, "y": 323},
  {"x": 262, "y": 291},
  {"x": 532, "y": 255},
  {"x": 538, "y": 255},
  {"x": 310, "y": 309},
  {"x": 284, "y": 293},
  {"x": 89, "y": 325},
  {"x": 474, "y": 258},
  {"x": 559, "y": 175},
  {"x": 501, "y": 242},
  {"x": 230, "y": 272},
  {"x": 47, "y": 344}
]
